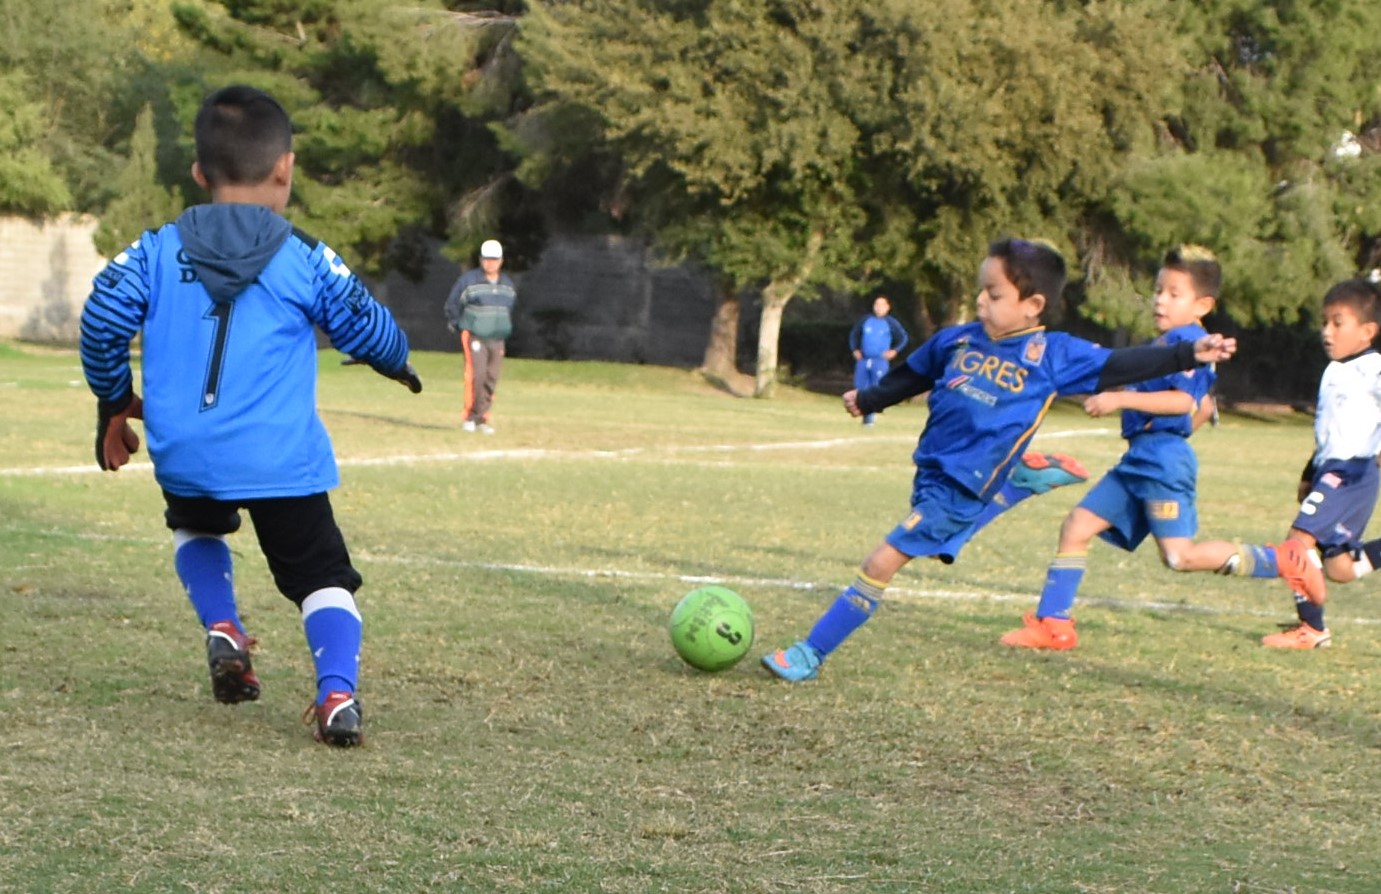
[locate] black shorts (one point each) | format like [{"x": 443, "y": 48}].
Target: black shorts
[{"x": 298, "y": 536}]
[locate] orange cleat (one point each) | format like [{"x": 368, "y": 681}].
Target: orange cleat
[
  {"x": 1301, "y": 637},
  {"x": 1043, "y": 633}
]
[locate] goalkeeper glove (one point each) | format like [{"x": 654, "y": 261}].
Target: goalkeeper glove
[
  {"x": 115, "y": 440},
  {"x": 407, "y": 375}
]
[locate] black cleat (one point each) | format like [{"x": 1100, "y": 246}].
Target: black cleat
[
  {"x": 232, "y": 674},
  {"x": 339, "y": 720}
]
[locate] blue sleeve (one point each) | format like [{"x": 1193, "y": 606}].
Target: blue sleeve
[
  {"x": 1079, "y": 364},
  {"x": 899, "y": 337},
  {"x": 931, "y": 358},
  {"x": 856, "y": 336},
  {"x": 356, "y": 324},
  {"x": 111, "y": 317}
]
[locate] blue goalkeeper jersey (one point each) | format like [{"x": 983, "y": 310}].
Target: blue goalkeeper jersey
[
  {"x": 1195, "y": 382},
  {"x": 227, "y": 300},
  {"x": 988, "y": 397}
]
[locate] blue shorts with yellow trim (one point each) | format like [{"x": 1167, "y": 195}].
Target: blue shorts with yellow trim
[
  {"x": 1151, "y": 491},
  {"x": 940, "y": 523}
]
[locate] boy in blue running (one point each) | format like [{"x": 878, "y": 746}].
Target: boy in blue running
[
  {"x": 226, "y": 301},
  {"x": 874, "y": 341},
  {"x": 990, "y": 382},
  {"x": 1152, "y": 489}
]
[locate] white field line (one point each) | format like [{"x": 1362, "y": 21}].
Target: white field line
[
  {"x": 902, "y": 593},
  {"x": 894, "y": 593},
  {"x": 542, "y": 453},
  {"x": 909, "y": 593}
]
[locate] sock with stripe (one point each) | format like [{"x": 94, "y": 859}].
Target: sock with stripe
[
  {"x": 1251, "y": 561},
  {"x": 334, "y": 631},
  {"x": 853, "y": 606},
  {"x": 206, "y": 570},
  {"x": 1062, "y": 581}
]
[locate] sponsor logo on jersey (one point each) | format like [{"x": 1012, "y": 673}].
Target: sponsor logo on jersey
[{"x": 1005, "y": 374}]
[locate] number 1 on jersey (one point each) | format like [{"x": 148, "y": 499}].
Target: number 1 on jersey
[{"x": 211, "y": 389}]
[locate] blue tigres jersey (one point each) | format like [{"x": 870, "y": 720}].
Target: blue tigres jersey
[
  {"x": 1195, "y": 382},
  {"x": 229, "y": 384},
  {"x": 990, "y": 395}
]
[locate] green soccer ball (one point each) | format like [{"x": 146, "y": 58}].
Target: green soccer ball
[{"x": 712, "y": 628}]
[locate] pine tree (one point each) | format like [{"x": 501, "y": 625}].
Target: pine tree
[{"x": 141, "y": 202}]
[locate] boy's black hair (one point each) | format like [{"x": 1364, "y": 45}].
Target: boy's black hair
[
  {"x": 1035, "y": 268},
  {"x": 1362, "y": 295},
  {"x": 241, "y": 133},
  {"x": 1201, "y": 265}
]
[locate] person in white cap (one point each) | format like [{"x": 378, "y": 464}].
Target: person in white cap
[{"x": 480, "y": 309}]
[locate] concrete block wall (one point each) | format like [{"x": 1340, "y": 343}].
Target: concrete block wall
[
  {"x": 587, "y": 297},
  {"x": 46, "y": 269}
]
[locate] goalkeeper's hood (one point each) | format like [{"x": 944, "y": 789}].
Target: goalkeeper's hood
[{"x": 229, "y": 245}]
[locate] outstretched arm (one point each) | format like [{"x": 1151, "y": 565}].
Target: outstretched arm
[
  {"x": 1127, "y": 365},
  {"x": 899, "y": 384}
]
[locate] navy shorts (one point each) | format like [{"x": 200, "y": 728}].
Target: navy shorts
[
  {"x": 298, "y": 536},
  {"x": 1341, "y": 498}
]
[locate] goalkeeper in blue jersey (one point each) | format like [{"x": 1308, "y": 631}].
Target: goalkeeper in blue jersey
[
  {"x": 991, "y": 383},
  {"x": 227, "y": 300}
]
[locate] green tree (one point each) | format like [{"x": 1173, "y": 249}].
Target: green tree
[
  {"x": 729, "y": 123},
  {"x": 391, "y": 103},
  {"x": 29, "y": 184},
  {"x": 141, "y": 201},
  {"x": 794, "y": 146},
  {"x": 1248, "y": 160}
]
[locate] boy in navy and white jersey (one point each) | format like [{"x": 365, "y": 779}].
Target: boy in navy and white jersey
[
  {"x": 226, "y": 301},
  {"x": 1338, "y": 489},
  {"x": 1152, "y": 491},
  {"x": 991, "y": 382}
]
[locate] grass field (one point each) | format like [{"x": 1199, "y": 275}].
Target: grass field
[{"x": 530, "y": 729}]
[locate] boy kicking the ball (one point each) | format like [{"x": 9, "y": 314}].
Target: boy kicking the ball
[
  {"x": 991, "y": 382},
  {"x": 226, "y": 300}
]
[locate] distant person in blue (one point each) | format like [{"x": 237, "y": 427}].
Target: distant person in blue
[
  {"x": 991, "y": 383},
  {"x": 226, "y": 301},
  {"x": 875, "y": 340}
]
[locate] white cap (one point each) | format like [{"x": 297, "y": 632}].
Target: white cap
[{"x": 491, "y": 249}]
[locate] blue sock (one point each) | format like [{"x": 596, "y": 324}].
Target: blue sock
[
  {"x": 1009, "y": 496},
  {"x": 854, "y": 605},
  {"x": 1308, "y": 612},
  {"x": 1252, "y": 561},
  {"x": 206, "y": 570},
  {"x": 334, "y": 631},
  {"x": 1062, "y": 581}
]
